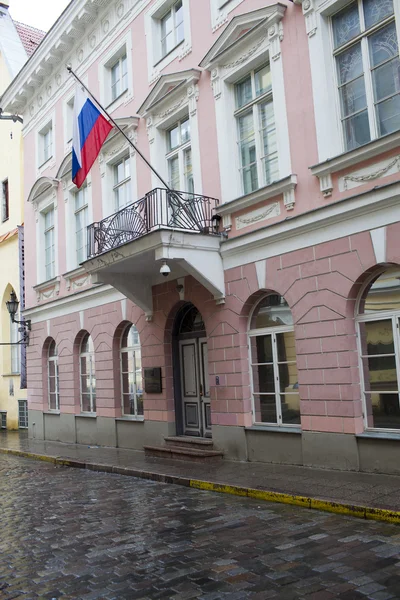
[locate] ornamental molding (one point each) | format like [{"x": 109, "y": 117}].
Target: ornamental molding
[
  {"x": 76, "y": 279},
  {"x": 310, "y": 15},
  {"x": 283, "y": 187},
  {"x": 165, "y": 113},
  {"x": 381, "y": 169},
  {"x": 255, "y": 216},
  {"x": 48, "y": 289},
  {"x": 246, "y": 55}
]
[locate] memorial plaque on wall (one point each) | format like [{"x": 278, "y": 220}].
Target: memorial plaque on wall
[{"x": 152, "y": 380}]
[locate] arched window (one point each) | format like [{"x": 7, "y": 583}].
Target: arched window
[
  {"x": 131, "y": 373},
  {"x": 273, "y": 363},
  {"x": 52, "y": 375},
  {"x": 87, "y": 375},
  {"x": 379, "y": 345}
]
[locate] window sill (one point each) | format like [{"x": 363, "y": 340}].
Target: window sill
[
  {"x": 168, "y": 53},
  {"x": 86, "y": 416},
  {"x": 353, "y": 157},
  {"x": 379, "y": 435},
  {"x": 12, "y": 374},
  {"x": 46, "y": 162},
  {"x": 51, "y": 412},
  {"x": 275, "y": 428},
  {"x": 138, "y": 419},
  {"x": 5, "y": 220},
  {"x": 278, "y": 188},
  {"x": 110, "y": 106}
]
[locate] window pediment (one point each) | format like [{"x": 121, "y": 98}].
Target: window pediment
[
  {"x": 243, "y": 30},
  {"x": 41, "y": 187},
  {"x": 167, "y": 89}
]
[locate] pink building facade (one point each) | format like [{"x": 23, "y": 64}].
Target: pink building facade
[{"x": 255, "y": 303}]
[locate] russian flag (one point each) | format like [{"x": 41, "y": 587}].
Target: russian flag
[{"x": 90, "y": 130}]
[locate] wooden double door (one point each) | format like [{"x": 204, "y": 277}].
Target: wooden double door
[{"x": 195, "y": 392}]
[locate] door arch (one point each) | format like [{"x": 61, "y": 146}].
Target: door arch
[{"x": 191, "y": 382}]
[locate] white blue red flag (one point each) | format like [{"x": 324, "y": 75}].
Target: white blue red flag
[{"x": 90, "y": 130}]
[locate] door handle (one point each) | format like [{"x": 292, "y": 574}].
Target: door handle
[{"x": 201, "y": 389}]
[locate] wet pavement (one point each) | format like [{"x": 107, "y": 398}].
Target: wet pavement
[
  {"x": 79, "y": 534},
  {"x": 353, "y": 488}
]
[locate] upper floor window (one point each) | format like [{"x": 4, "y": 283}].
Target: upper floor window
[
  {"x": 87, "y": 375},
  {"x": 69, "y": 113},
  {"x": 119, "y": 77},
  {"x": 5, "y": 206},
  {"x": 122, "y": 183},
  {"x": 276, "y": 397},
  {"x": 258, "y": 155},
  {"x": 172, "y": 28},
  {"x": 52, "y": 374},
  {"x": 131, "y": 373},
  {"x": 379, "y": 339},
  {"x": 179, "y": 157},
  {"x": 366, "y": 52},
  {"x": 81, "y": 223},
  {"x": 45, "y": 143},
  {"x": 49, "y": 244}
]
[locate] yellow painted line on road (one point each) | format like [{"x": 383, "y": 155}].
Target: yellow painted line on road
[{"x": 341, "y": 508}]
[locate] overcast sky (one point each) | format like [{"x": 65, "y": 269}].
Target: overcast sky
[{"x": 37, "y": 13}]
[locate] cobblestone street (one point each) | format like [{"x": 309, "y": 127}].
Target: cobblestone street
[{"x": 75, "y": 534}]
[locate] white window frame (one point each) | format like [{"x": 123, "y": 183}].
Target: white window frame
[
  {"x": 273, "y": 332},
  {"x": 91, "y": 365},
  {"x": 179, "y": 152},
  {"x": 77, "y": 211},
  {"x": 318, "y": 15},
  {"x": 152, "y": 19},
  {"x": 68, "y": 121},
  {"x": 220, "y": 10},
  {"x": 53, "y": 359},
  {"x": 113, "y": 56},
  {"x": 361, "y": 318},
  {"x": 172, "y": 12},
  {"x": 253, "y": 106},
  {"x": 49, "y": 230},
  {"x": 134, "y": 350},
  {"x": 45, "y": 132},
  {"x": 125, "y": 183},
  {"x": 362, "y": 39},
  {"x": 226, "y": 71},
  {"x": 70, "y": 190}
]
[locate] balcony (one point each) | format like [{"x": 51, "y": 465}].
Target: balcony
[
  {"x": 159, "y": 209},
  {"x": 127, "y": 248}
]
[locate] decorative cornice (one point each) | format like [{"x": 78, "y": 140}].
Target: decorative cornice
[{"x": 48, "y": 289}]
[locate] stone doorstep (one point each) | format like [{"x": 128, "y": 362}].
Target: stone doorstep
[
  {"x": 179, "y": 453},
  {"x": 186, "y": 441}
]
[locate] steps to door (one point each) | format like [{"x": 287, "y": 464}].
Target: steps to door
[{"x": 186, "y": 448}]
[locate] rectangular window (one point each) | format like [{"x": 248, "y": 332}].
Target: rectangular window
[
  {"x": 172, "y": 28},
  {"x": 45, "y": 143},
  {"x": 81, "y": 223},
  {"x": 258, "y": 155},
  {"x": 366, "y": 52},
  {"x": 122, "y": 184},
  {"x": 22, "y": 414},
  {"x": 5, "y": 204},
  {"x": 3, "y": 420},
  {"x": 179, "y": 157},
  {"x": 69, "y": 118},
  {"x": 49, "y": 247},
  {"x": 119, "y": 77}
]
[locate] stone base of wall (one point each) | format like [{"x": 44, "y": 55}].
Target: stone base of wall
[{"x": 344, "y": 452}]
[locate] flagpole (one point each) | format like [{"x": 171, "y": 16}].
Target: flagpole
[{"x": 69, "y": 69}]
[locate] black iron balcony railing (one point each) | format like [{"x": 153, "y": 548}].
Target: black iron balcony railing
[{"x": 160, "y": 208}]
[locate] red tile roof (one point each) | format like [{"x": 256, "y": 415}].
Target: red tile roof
[
  {"x": 8, "y": 235},
  {"x": 30, "y": 37}
]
